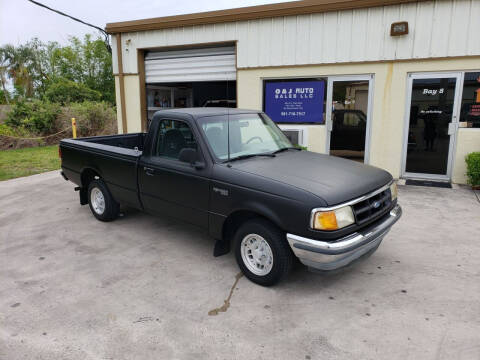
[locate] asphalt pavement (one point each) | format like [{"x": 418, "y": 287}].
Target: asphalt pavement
[{"x": 144, "y": 287}]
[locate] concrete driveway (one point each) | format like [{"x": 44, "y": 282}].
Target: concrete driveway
[{"x": 142, "y": 287}]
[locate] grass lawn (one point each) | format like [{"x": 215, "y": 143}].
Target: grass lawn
[{"x": 28, "y": 161}]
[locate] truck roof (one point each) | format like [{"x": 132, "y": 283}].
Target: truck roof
[{"x": 208, "y": 111}]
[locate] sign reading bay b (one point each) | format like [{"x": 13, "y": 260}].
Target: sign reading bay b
[{"x": 295, "y": 101}]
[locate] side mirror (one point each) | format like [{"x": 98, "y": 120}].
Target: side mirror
[{"x": 188, "y": 155}]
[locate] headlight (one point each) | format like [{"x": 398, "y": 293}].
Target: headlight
[
  {"x": 334, "y": 219},
  {"x": 393, "y": 190}
]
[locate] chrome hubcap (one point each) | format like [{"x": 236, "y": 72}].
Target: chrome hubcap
[
  {"x": 97, "y": 200},
  {"x": 256, "y": 254}
]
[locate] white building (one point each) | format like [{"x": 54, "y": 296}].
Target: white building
[{"x": 395, "y": 84}]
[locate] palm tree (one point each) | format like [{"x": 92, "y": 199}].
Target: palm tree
[
  {"x": 17, "y": 61},
  {"x": 3, "y": 74}
]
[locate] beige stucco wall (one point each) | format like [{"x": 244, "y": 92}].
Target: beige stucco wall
[
  {"x": 132, "y": 103},
  {"x": 119, "y": 108},
  {"x": 132, "y": 108},
  {"x": 468, "y": 140},
  {"x": 388, "y": 113},
  {"x": 317, "y": 137}
]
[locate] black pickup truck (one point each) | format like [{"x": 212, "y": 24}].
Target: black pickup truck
[{"x": 234, "y": 174}]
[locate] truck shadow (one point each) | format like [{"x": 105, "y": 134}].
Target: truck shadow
[{"x": 192, "y": 239}]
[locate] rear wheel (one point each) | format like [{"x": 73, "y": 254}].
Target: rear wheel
[
  {"x": 262, "y": 252},
  {"x": 101, "y": 202}
]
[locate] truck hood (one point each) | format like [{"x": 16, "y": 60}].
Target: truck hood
[{"x": 331, "y": 178}]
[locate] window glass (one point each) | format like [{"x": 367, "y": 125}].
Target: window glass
[
  {"x": 431, "y": 107},
  {"x": 349, "y": 120},
  {"x": 173, "y": 136},
  {"x": 293, "y": 136},
  {"x": 352, "y": 119},
  {"x": 470, "y": 111},
  {"x": 246, "y": 134}
]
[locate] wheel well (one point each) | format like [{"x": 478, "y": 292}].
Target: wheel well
[
  {"x": 236, "y": 219},
  {"x": 87, "y": 176}
]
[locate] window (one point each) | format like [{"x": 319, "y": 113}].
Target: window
[
  {"x": 294, "y": 136},
  {"x": 350, "y": 118},
  {"x": 173, "y": 136},
  {"x": 247, "y": 134},
  {"x": 470, "y": 110}
]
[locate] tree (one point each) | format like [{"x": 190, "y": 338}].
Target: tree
[
  {"x": 4, "y": 97},
  {"x": 16, "y": 60},
  {"x": 65, "y": 91},
  {"x": 34, "y": 66},
  {"x": 25, "y": 66},
  {"x": 88, "y": 62},
  {"x": 3, "y": 78}
]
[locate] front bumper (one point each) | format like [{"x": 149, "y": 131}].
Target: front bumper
[{"x": 323, "y": 255}]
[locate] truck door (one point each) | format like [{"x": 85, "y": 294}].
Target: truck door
[{"x": 169, "y": 186}]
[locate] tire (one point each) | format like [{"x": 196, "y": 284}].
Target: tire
[
  {"x": 107, "y": 210},
  {"x": 264, "y": 265}
]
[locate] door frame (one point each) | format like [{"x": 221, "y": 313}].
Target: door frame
[
  {"x": 328, "y": 113},
  {"x": 452, "y": 128}
]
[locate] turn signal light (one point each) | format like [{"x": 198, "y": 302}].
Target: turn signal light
[
  {"x": 333, "y": 219},
  {"x": 326, "y": 220}
]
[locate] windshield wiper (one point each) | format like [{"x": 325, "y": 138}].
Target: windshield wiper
[
  {"x": 286, "y": 148},
  {"x": 246, "y": 156}
]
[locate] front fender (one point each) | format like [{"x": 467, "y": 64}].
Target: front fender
[{"x": 260, "y": 209}]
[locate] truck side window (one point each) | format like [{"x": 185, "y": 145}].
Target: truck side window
[{"x": 172, "y": 137}]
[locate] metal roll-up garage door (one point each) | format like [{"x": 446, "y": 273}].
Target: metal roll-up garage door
[{"x": 206, "y": 64}]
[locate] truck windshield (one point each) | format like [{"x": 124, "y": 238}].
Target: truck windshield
[{"x": 250, "y": 134}]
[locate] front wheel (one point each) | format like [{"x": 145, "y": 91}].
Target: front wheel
[
  {"x": 101, "y": 202},
  {"x": 262, "y": 252}
]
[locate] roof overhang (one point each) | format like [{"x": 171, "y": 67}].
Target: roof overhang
[{"x": 247, "y": 13}]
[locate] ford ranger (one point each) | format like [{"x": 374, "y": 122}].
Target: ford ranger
[{"x": 234, "y": 174}]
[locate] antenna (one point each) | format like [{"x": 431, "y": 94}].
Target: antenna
[{"x": 228, "y": 125}]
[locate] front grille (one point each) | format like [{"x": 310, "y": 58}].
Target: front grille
[{"x": 373, "y": 207}]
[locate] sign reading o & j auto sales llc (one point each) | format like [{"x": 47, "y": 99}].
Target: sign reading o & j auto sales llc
[{"x": 295, "y": 101}]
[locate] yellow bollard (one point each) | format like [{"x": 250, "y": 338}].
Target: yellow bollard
[{"x": 74, "y": 128}]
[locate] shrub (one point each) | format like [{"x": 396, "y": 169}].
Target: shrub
[
  {"x": 473, "y": 168},
  {"x": 17, "y": 137},
  {"x": 66, "y": 91},
  {"x": 35, "y": 116},
  {"x": 4, "y": 97},
  {"x": 93, "y": 118},
  {"x": 7, "y": 130}
]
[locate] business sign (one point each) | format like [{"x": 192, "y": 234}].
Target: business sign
[{"x": 295, "y": 101}]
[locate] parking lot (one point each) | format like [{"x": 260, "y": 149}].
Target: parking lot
[{"x": 143, "y": 287}]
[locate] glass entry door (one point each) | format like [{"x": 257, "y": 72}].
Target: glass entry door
[
  {"x": 347, "y": 117},
  {"x": 432, "y": 124}
]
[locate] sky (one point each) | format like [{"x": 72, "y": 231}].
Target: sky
[{"x": 21, "y": 20}]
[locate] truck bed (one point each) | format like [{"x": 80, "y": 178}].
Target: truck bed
[
  {"x": 112, "y": 157},
  {"x": 115, "y": 143}
]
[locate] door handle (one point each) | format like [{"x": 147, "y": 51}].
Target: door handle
[{"x": 149, "y": 171}]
